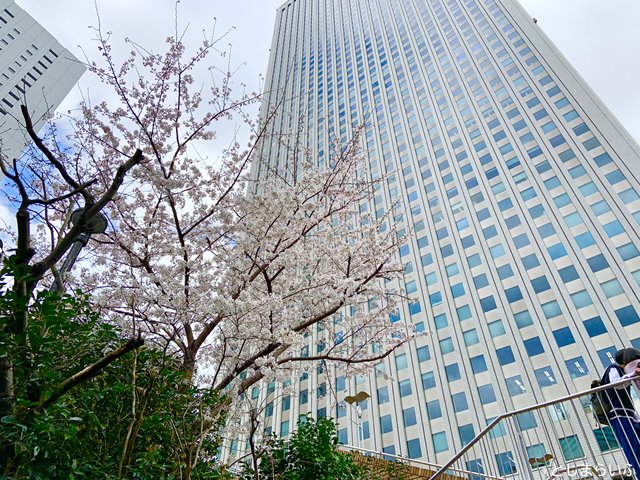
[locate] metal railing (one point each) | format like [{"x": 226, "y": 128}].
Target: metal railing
[
  {"x": 555, "y": 439},
  {"x": 455, "y": 472}
]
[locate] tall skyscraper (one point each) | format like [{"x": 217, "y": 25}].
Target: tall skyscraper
[
  {"x": 520, "y": 188},
  {"x": 34, "y": 68}
]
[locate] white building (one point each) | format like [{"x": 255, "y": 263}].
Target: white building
[
  {"x": 34, "y": 68},
  {"x": 521, "y": 188}
]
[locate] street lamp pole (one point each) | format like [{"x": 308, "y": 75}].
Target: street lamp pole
[
  {"x": 356, "y": 399},
  {"x": 97, "y": 224}
]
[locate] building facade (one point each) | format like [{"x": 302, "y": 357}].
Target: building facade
[
  {"x": 34, "y": 68},
  {"x": 520, "y": 189}
]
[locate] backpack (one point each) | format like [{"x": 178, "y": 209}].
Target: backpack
[{"x": 600, "y": 404}]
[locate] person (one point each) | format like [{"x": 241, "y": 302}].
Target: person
[{"x": 622, "y": 417}]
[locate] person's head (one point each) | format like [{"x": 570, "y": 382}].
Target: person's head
[{"x": 626, "y": 355}]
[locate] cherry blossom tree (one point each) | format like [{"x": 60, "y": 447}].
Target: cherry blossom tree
[{"x": 234, "y": 275}]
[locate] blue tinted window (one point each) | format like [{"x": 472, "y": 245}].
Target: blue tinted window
[
  {"x": 581, "y": 299},
  {"x": 576, "y": 367},
  {"x": 506, "y": 463},
  {"x": 523, "y": 319},
  {"x": 413, "y": 448},
  {"x": 386, "y": 425},
  {"x": 423, "y": 353},
  {"x": 463, "y": 312},
  {"x": 629, "y": 195},
  {"x": 615, "y": 177},
  {"x": 546, "y": 230},
  {"x": 628, "y": 251},
  {"x": 453, "y": 372},
  {"x": 568, "y": 274},
  {"x": 405, "y": 388},
  {"x": 562, "y": 200},
  {"x": 488, "y": 303},
  {"x": 486, "y": 393},
  {"x": 627, "y": 316},
  {"x": 505, "y": 355},
  {"x": 533, "y": 346},
  {"x": 585, "y": 240},
  {"x": 513, "y": 294},
  {"x": 563, "y": 337},
  {"x": 478, "y": 364},
  {"x": 496, "y": 328},
  {"x": 467, "y": 433},
  {"x": 613, "y": 228},
  {"x": 433, "y": 409},
  {"x": 556, "y": 251},
  {"x": 545, "y": 376},
  {"x": 530, "y": 261},
  {"x": 440, "y": 442},
  {"x": 597, "y": 263},
  {"x": 457, "y": 290},
  {"x": 540, "y": 284},
  {"x": 602, "y": 159},
  {"x": 470, "y": 337},
  {"x": 551, "y": 309},
  {"x": 526, "y": 420},
  {"x": 383, "y": 395},
  {"x": 600, "y": 207},
  {"x": 536, "y": 211},
  {"x": 446, "y": 345},
  {"x": 428, "y": 380},
  {"x": 409, "y": 416},
  {"x": 521, "y": 240},
  {"x": 505, "y": 271},
  {"x": 594, "y": 326},
  {"x": 515, "y": 386},
  {"x": 480, "y": 281},
  {"x": 459, "y": 401}
]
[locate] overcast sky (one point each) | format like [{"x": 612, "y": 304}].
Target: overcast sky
[{"x": 601, "y": 38}]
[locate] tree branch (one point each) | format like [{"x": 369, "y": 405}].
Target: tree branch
[{"x": 91, "y": 371}]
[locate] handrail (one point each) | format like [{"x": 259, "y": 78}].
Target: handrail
[
  {"x": 422, "y": 462},
  {"x": 512, "y": 413}
]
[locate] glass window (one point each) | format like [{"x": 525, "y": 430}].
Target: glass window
[
  {"x": 401, "y": 364},
  {"x": 409, "y": 417},
  {"x": 386, "y": 425},
  {"x": 568, "y": 274},
  {"x": 576, "y": 367},
  {"x": 467, "y": 433},
  {"x": 526, "y": 420},
  {"x": 506, "y": 463},
  {"x": 459, "y": 401},
  {"x": 405, "y": 388},
  {"x": 545, "y": 377},
  {"x": 463, "y": 312},
  {"x": 433, "y": 409},
  {"x": 413, "y": 448},
  {"x": 470, "y": 337},
  {"x": 605, "y": 438},
  {"x": 533, "y": 346},
  {"x": 571, "y": 448},
  {"x": 383, "y": 395},
  {"x": 563, "y": 337},
  {"x": 627, "y": 316},
  {"x": 515, "y": 385},
  {"x": 523, "y": 319},
  {"x": 446, "y": 345},
  {"x": 487, "y": 394},
  {"x": 581, "y": 299},
  {"x": 440, "y": 442},
  {"x": 423, "y": 353},
  {"x": 594, "y": 326},
  {"x": 536, "y": 455},
  {"x": 453, "y": 372},
  {"x": 428, "y": 380},
  {"x": 496, "y": 328},
  {"x": 478, "y": 364}
]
